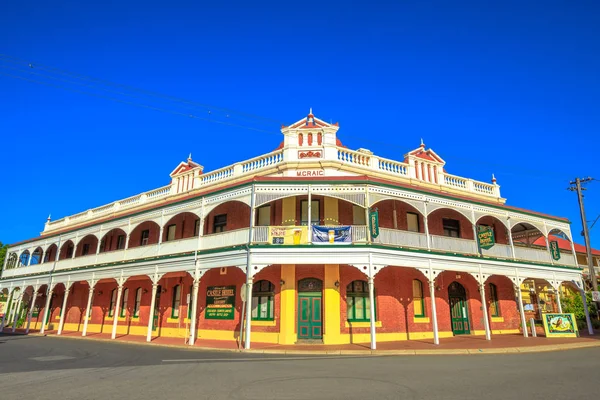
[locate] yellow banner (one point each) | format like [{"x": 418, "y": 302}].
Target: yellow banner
[{"x": 288, "y": 235}]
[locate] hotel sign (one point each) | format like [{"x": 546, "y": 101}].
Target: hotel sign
[
  {"x": 485, "y": 237},
  {"x": 220, "y": 302},
  {"x": 555, "y": 250},
  {"x": 313, "y": 173},
  {"x": 374, "y": 223}
]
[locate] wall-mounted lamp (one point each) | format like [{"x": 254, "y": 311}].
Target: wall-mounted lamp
[
  {"x": 337, "y": 284},
  {"x": 99, "y": 292},
  {"x": 438, "y": 288},
  {"x": 144, "y": 291},
  {"x": 282, "y": 282},
  {"x": 164, "y": 290}
]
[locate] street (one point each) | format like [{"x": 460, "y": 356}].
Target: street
[{"x": 51, "y": 368}]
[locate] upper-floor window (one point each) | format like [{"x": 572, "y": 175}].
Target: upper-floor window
[
  {"x": 86, "y": 249},
  {"x": 120, "y": 242},
  {"x": 70, "y": 251},
  {"x": 358, "y": 215},
  {"x": 314, "y": 212},
  {"x": 412, "y": 222},
  {"x": 196, "y": 227},
  {"x": 145, "y": 237},
  {"x": 171, "y": 232},
  {"x": 264, "y": 216},
  {"x": 220, "y": 223},
  {"x": 451, "y": 227}
]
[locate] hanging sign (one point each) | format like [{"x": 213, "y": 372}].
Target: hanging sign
[
  {"x": 288, "y": 234},
  {"x": 220, "y": 302},
  {"x": 374, "y": 223},
  {"x": 485, "y": 237},
  {"x": 560, "y": 325},
  {"x": 555, "y": 250},
  {"x": 331, "y": 234}
]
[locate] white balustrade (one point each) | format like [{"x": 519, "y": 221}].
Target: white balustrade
[
  {"x": 353, "y": 157},
  {"x": 532, "y": 254},
  {"x": 396, "y": 237},
  {"x": 161, "y": 192},
  {"x": 216, "y": 176},
  {"x": 393, "y": 167},
  {"x": 224, "y": 239},
  {"x": 454, "y": 245},
  {"x": 261, "y": 234},
  {"x": 498, "y": 250},
  {"x": 455, "y": 181},
  {"x": 484, "y": 188},
  {"x": 179, "y": 246},
  {"x": 358, "y": 233},
  {"x": 261, "y": 162}
]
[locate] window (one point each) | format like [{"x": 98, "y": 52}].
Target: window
[
  {"x": 85, "y": 250},
  {"x": 262, "y": 301},
  {"x": 124, "y": 302},
  {"x": 264, "y": 216},
  {"x": 196, "y": 227},
  {"x": 176, "y": 301},
  {"x": 451, "y": 227},
  {"x": 314, "y": 212},
  {"x": 120, "y": 242},
  {"x": 358, "y": 302},
  {"x": 412, "y": 222},
  {"x": 190, "y": 299},
  {"x": 418, "y": 303},
  {"x": 138, "y": 302},
  {"x": 113, "y": 301},
  {"x": 220, "y": 222},
  {"x": 358, "y": 215},
  {"x": 144, "y": 238},
  {"x": 494, "y": 304},
  {"x": 171, "y": 232},
  {"x": 102, "y": 245},
  {"x": 70, "y": 252}
]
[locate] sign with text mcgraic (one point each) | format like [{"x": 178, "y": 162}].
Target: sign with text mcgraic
[
  {"x": 560, "y": 325},
  {"x": 220, "y": 302},
  {"x": 555, "y": 250},
  {"x": 374, "y": 223},
  {"x": 485, "y": 237},
  {"x": 330, "y": 234}
]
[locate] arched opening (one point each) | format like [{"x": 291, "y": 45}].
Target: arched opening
[
  {"x": 181, "y": 226},
  {"x": 113, "y": 240},
  {"x": 51, "y": 252},
  {"x": 400, "y": 224},
  {"x": 529, "y": 242},
  {"x": 145, "y": 234},
  {"x": 538, "y": 297},
  {"x": 12, "y": 261},
  {"x": 24, "y": 258},
  {"x": 450, "y": 223},
  {"x": 36, "y": 257},
  {"x": 561, "y": 249},
  {"x": 228, "y": 216},
  {"x": 500, "y": 244},
  {"x": 87, "y": 246},
  {"x": 66, "y": 250}
]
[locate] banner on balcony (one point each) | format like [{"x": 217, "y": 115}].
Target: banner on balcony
[
  {"x": 560, "y": 325},
  {"x": 288, "y": 234},
  {"x": 331, "y": 235},
  {"x": 374, "y": 223},
  {"x": 485, "y": 237},
  {"x": 220, "y": 302},
  {"x": 555, "y": 250}
]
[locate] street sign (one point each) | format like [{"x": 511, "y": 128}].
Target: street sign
[{"x": 596, "y": 296}]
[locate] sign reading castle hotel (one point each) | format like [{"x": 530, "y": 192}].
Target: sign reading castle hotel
[{"x": 321, "y": 234}]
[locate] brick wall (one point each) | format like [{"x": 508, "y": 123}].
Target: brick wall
[
  {"x": 184, "y": 226},
  {"x": 136, "y": 235},
  {"x": 386, "y": 214},
  {"x": 436, "y": 227},
  {"x": 238, "y": 216}
]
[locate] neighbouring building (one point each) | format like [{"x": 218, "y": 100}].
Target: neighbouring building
[{"x": 334, "y": 244}]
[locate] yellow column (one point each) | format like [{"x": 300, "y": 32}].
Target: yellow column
[
  {"x": 287, "y": 313},
  {"x": 331, "y": 305},
  {"x": 331, "y": 211},
  {"x": 288, "y": 212}
]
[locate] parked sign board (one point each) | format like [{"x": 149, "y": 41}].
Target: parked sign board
[
  {"x": 220, "y": 302},
  {"x": 560, "y": 325}
]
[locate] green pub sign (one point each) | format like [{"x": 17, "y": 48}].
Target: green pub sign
[
  {"x": 220, "y": 302},
  {"x": 485, "y": 237},
  {"x": 374, "y": 223},
  {"x": 555, "y": 250}
]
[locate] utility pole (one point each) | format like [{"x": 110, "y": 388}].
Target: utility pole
[{"x": 586, "y": 232}]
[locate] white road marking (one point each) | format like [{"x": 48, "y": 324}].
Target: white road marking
[
  {"x": 260, "y": 359},
  {"x": 51, "y": 358}
]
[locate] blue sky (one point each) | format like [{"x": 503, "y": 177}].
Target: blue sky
[{"x": 509, "y": 88}]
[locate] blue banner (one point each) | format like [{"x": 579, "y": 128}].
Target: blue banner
[{"x": 331, "y": 235}]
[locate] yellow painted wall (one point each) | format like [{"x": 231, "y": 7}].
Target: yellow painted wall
[
  {"x": 288, "y": 212},
  {"x": 287, "y": 315},
  {"x": 331, "y": 305},
  {"x": 331, "y": 214}
]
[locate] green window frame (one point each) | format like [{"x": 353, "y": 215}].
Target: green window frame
[
  {"x": 189, "y": 306},
  {"x": 358, "y": 302},
  {"x": 494, "y": 303},
  {"x": 263, "y": 304},
  {"x": 418, "y": 299},
  {"x": 138, "y": 302},
  {"x": 124, "y": 302},
  {"x": 176, "y": 301},
  {"x": 113, "y": 300}
]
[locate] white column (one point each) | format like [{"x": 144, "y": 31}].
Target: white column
[
  {"x": 486, "y": 321},
  {"x": 426, "y": 222},
  {"x": 116, "y": 312},
  {"x": 521, "y": 310},
  {"x": 510, "y": 240},
  {"x": 436, "y": 337},
  {"x": 558, "y": 300},
  {"x": 87, "y": 309},
  {"x": 309, "y": 216},
  {"x": 63, "y": 309},
  {"x": 574, "y": 253},
  {"x": 46, "y": 309},
  {"x": 31, "y": 306},
  {"x": 11, "y": 306},
  {"x": 547, "y": 237},
  {"x": 151, "y": 313},
  {"x": 194, "y": 315},
  {"x": 6, "y": 305},
  {"x": 16, "y": 312},
  {"x": 249, "y": 312},
  {"x": 372, "y": 310}
]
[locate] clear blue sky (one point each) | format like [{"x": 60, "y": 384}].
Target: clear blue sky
[{"x": 508, "y": 88}]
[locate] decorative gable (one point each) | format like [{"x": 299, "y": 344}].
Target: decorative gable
[
  {"x": 428, "y": 166},
  {"x": 183, "y": 176}
]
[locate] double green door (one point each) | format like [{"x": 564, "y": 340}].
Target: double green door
[
  {"x": 310, "y": 318},
  {"x": 459, "y": 316}
]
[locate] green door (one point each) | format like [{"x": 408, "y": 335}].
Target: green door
[
  {"x": 309, "y": 316},
  {"x": 156, "y": 309},
  {"x": 459, "y": 313}
]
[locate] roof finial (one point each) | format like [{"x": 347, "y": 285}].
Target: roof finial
[
  {"x": 190, "y": 157},
  {"x": 422, "y": 143},
  {"x": 310, "y": 111},
  {"x": 493, "y": 179},
  {"x": 48, "y": 219}
]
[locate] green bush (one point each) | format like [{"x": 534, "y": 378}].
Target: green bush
[{"x": 572, "y": 303}]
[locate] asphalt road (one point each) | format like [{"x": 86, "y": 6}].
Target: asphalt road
[{"x": 60, "y": 368}]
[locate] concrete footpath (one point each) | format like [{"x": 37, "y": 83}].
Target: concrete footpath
[{"x": 467, "y": 344}]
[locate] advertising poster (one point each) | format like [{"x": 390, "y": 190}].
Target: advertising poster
[
  {"x": 331, "y": 235},
  {"x": 288, "y": 235},
  {"x": 560, "y": 325}
]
